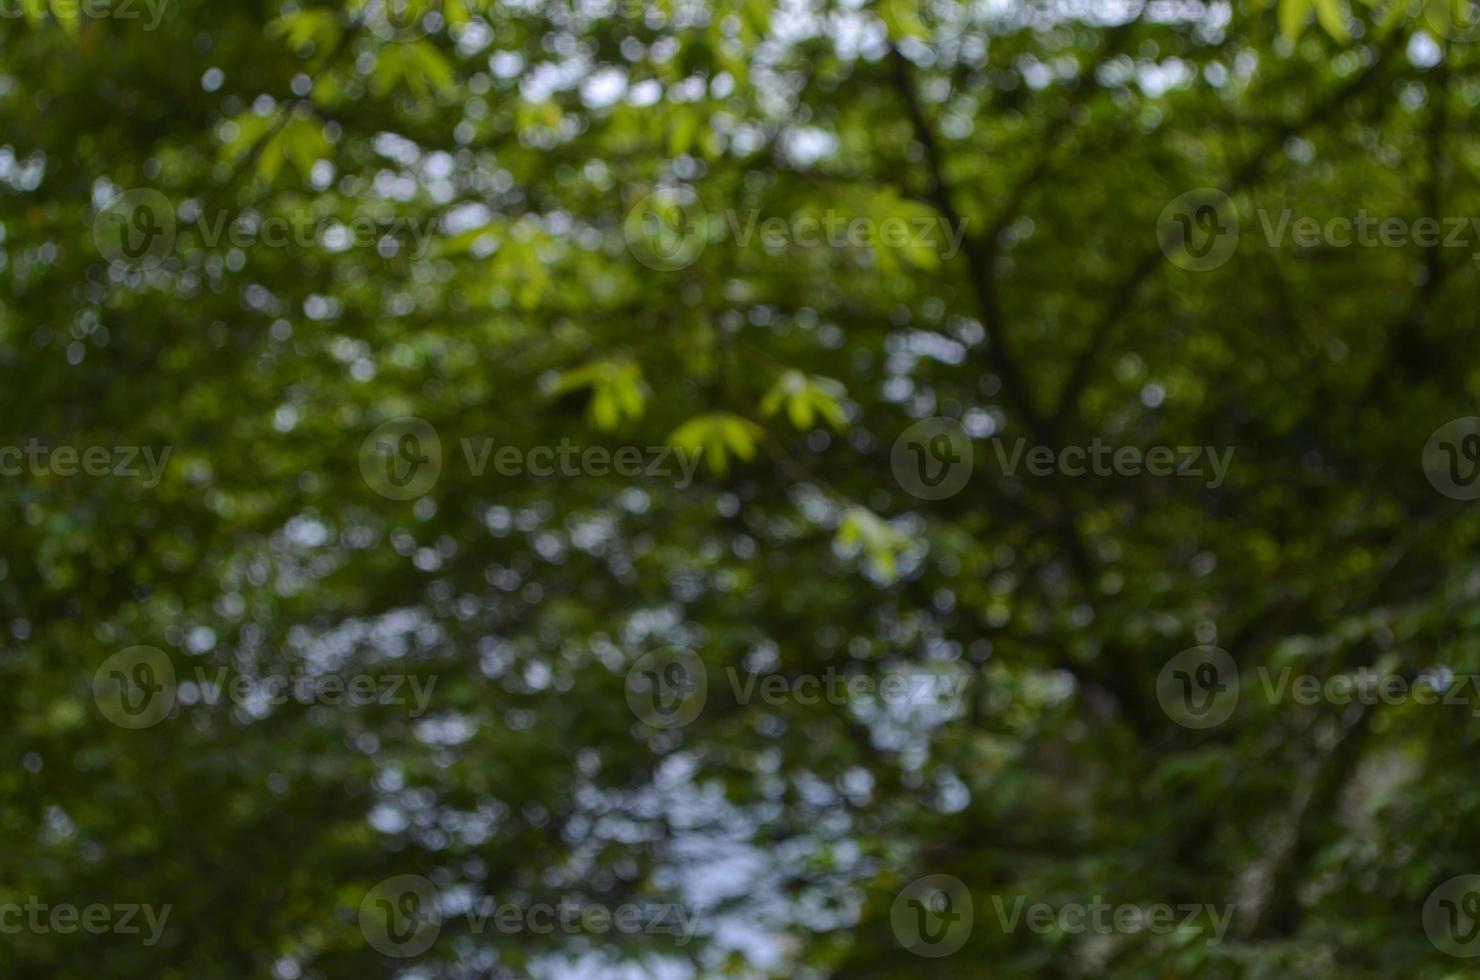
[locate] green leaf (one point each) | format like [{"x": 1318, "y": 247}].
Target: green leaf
[
  {"x": 456, "y": 12},
  {"x": 804, "y": 399},
  {"x": 618, "y": 391},
  {"x": 304, "y": 142},
  {"x": 416, "y": 64},
  {"x": 318, "y": 27},
  {"x": 432, "y": 66},
  {"x": 682, "y": 131},
  {"x": 1332, "y": 15},
  {"x": 758, "y": 13},
  {"x": 902, "y": 19},
  {"x": 741, "y": 436},
  {"x": 1447, "y": 16},
  {"x": 717, "y": 436},
  {"x": 1293, "y": 15},
  {"x": 863, "y": 531},
  {"x": 249, "y": 129}
]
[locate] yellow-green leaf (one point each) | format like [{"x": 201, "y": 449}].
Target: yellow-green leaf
[
  {"x": 717, "y": 436},
  {"x": 1332, "y": 16},
  {"x": 863, "y": 531},
  {"x": 804, "y": 399},
  {"x": 617, "y": 390},
  {"x": 1293, "y": 14}
]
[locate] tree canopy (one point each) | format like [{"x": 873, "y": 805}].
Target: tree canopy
[{"x": 823, "y": 476}]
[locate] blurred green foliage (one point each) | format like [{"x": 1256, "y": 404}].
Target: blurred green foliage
[{"x": 556, "y": 299}]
